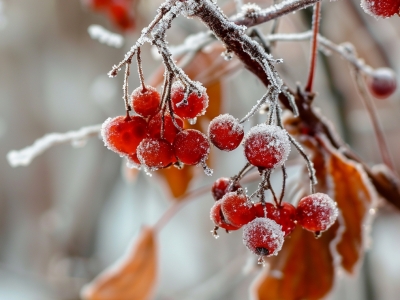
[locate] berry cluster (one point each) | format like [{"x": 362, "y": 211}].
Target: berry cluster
[
  {"x": 155, "y": 138},
  {"x": 117, "y": 11},
  {"x": 265, "y": 225}
]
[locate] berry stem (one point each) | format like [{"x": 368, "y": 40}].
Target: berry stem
[
  {"x": 370, "y": 107},
  {"x": 140, "y": 70},
  {"x": 268, "y": 177},
  {"x": 284, "y": 175},
  {"x": 314, "y": 47},
  {"x": 125, "y": 88}
]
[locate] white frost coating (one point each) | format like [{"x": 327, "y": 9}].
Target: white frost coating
[
  {"x": 263, "y": 233},
  {"x": 24, "y": 156},
  {"x": 264, "y": 140},
  {"x": 105, "y": 36},
  {"x": 192, "y": 43}
]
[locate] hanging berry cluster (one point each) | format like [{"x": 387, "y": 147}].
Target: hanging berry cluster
[{"x": 155, "y": 137}]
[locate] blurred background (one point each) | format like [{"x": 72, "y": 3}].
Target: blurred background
[{"x": 73, "y": 211}]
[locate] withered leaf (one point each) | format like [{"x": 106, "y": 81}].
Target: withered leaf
[
  {"x": 355, "y": 197},
  {"x": 133, "y": 277}
]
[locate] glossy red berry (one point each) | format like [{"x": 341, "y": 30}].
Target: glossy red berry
[
  {"x": 382, "y": 83},
  {"x": 266, "y": 146},
  {"x": 221, "y": 186},
  {"x": 122, "y": 135},
  {"x": 316, "y": 212},
  {"x": 120, "y": 16},
  {"x": 285, "y": 215},
  {"x": 146, "y": 102},
  {"x": 155, "y": 154},
  {"x": 196, "y": 105},
  {"x": 225, "y": 132},
  {"x": 263, "y": 237},
  {"x": 170, "y": 130},
  {"x": 381, "y": 8},
  {"x": 237, "y": 208},
  {"x": 191, "y": 146},
  {"x": 218, "y": 218}
]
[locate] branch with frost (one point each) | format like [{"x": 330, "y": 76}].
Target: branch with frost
[
  {"x": 24, "y": 156},
  {"x": 253, "y": 15}
]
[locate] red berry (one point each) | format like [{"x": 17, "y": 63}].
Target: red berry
[
  {"x": 99, "y": 5},
  {"x": 225, "y": 132},
  {"x": 191, "y": 146},
  {"x": 220, "y": 187},
  {"x": 381, "y": 8},
  {"x": 155, "y": 153},
  {"x": 382, "y": 83},
  {"x": 263, "y": 237},
  {"x": 218, "y": 218},
  {"x": 196, "y": 105},
  {"x": 170, "y": 130},
  {"x": 120, "y": 16},
  {"x": 316, "y": 212},
  {"x": 266, "y": 146},
  {"x": 122, "y": 135},
  {"x": 284, "y": 215},
  {"x": 146, "y": 103},
  {"x": 237, "y": 208}
]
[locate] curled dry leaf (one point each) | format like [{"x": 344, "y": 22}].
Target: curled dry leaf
[
  {"x": 133, "y": 277},
  {"x": 356, "y": 199}
]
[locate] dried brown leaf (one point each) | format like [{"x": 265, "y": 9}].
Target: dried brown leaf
[
  {"x": 133, "y": 277},
  {"x": 355, "y": 196}
]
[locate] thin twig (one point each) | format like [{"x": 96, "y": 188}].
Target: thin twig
[
  {"x": 284, "y": 175},
  {"x": 314, "y": 44},
  {"x": 140, "y": 70}
]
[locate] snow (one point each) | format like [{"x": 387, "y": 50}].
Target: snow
[{"x": 104, "y": 36}]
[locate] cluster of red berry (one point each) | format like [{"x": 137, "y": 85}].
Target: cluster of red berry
[
  {"x": 154, "y": 138},
  {"x": 118, "y": 12},
  {"x": 265, "y": 225}
]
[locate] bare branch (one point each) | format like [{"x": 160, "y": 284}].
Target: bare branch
[{"x": 24, "y": 156}]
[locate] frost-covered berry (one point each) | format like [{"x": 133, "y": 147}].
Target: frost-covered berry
[
  {"x": 316, "y": 212},
  {"x": 381, "y": 8},
  {"x": 196, "y": 105},
  {"x": 155, "y": 154},
  {"x": 285, "y": 215},
  {"x": 123, "y": 134},
  {"x": 266, "y": 146},
  {"x": 263, "y": 237},
  {"x": 170, "y": 130},
  {"x": 225, "y": 132},
  {"x": 237, "y": 209},
  {"x": 191, "y": 146},
  {"x": 221, "y": 186},
  {"x": 145, "y": 102},
  {"x": 218, "y": 217},
  {"x": 382, "y": 83}
]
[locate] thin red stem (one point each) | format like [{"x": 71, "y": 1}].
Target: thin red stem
[{"x": 314, "y": 47}]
